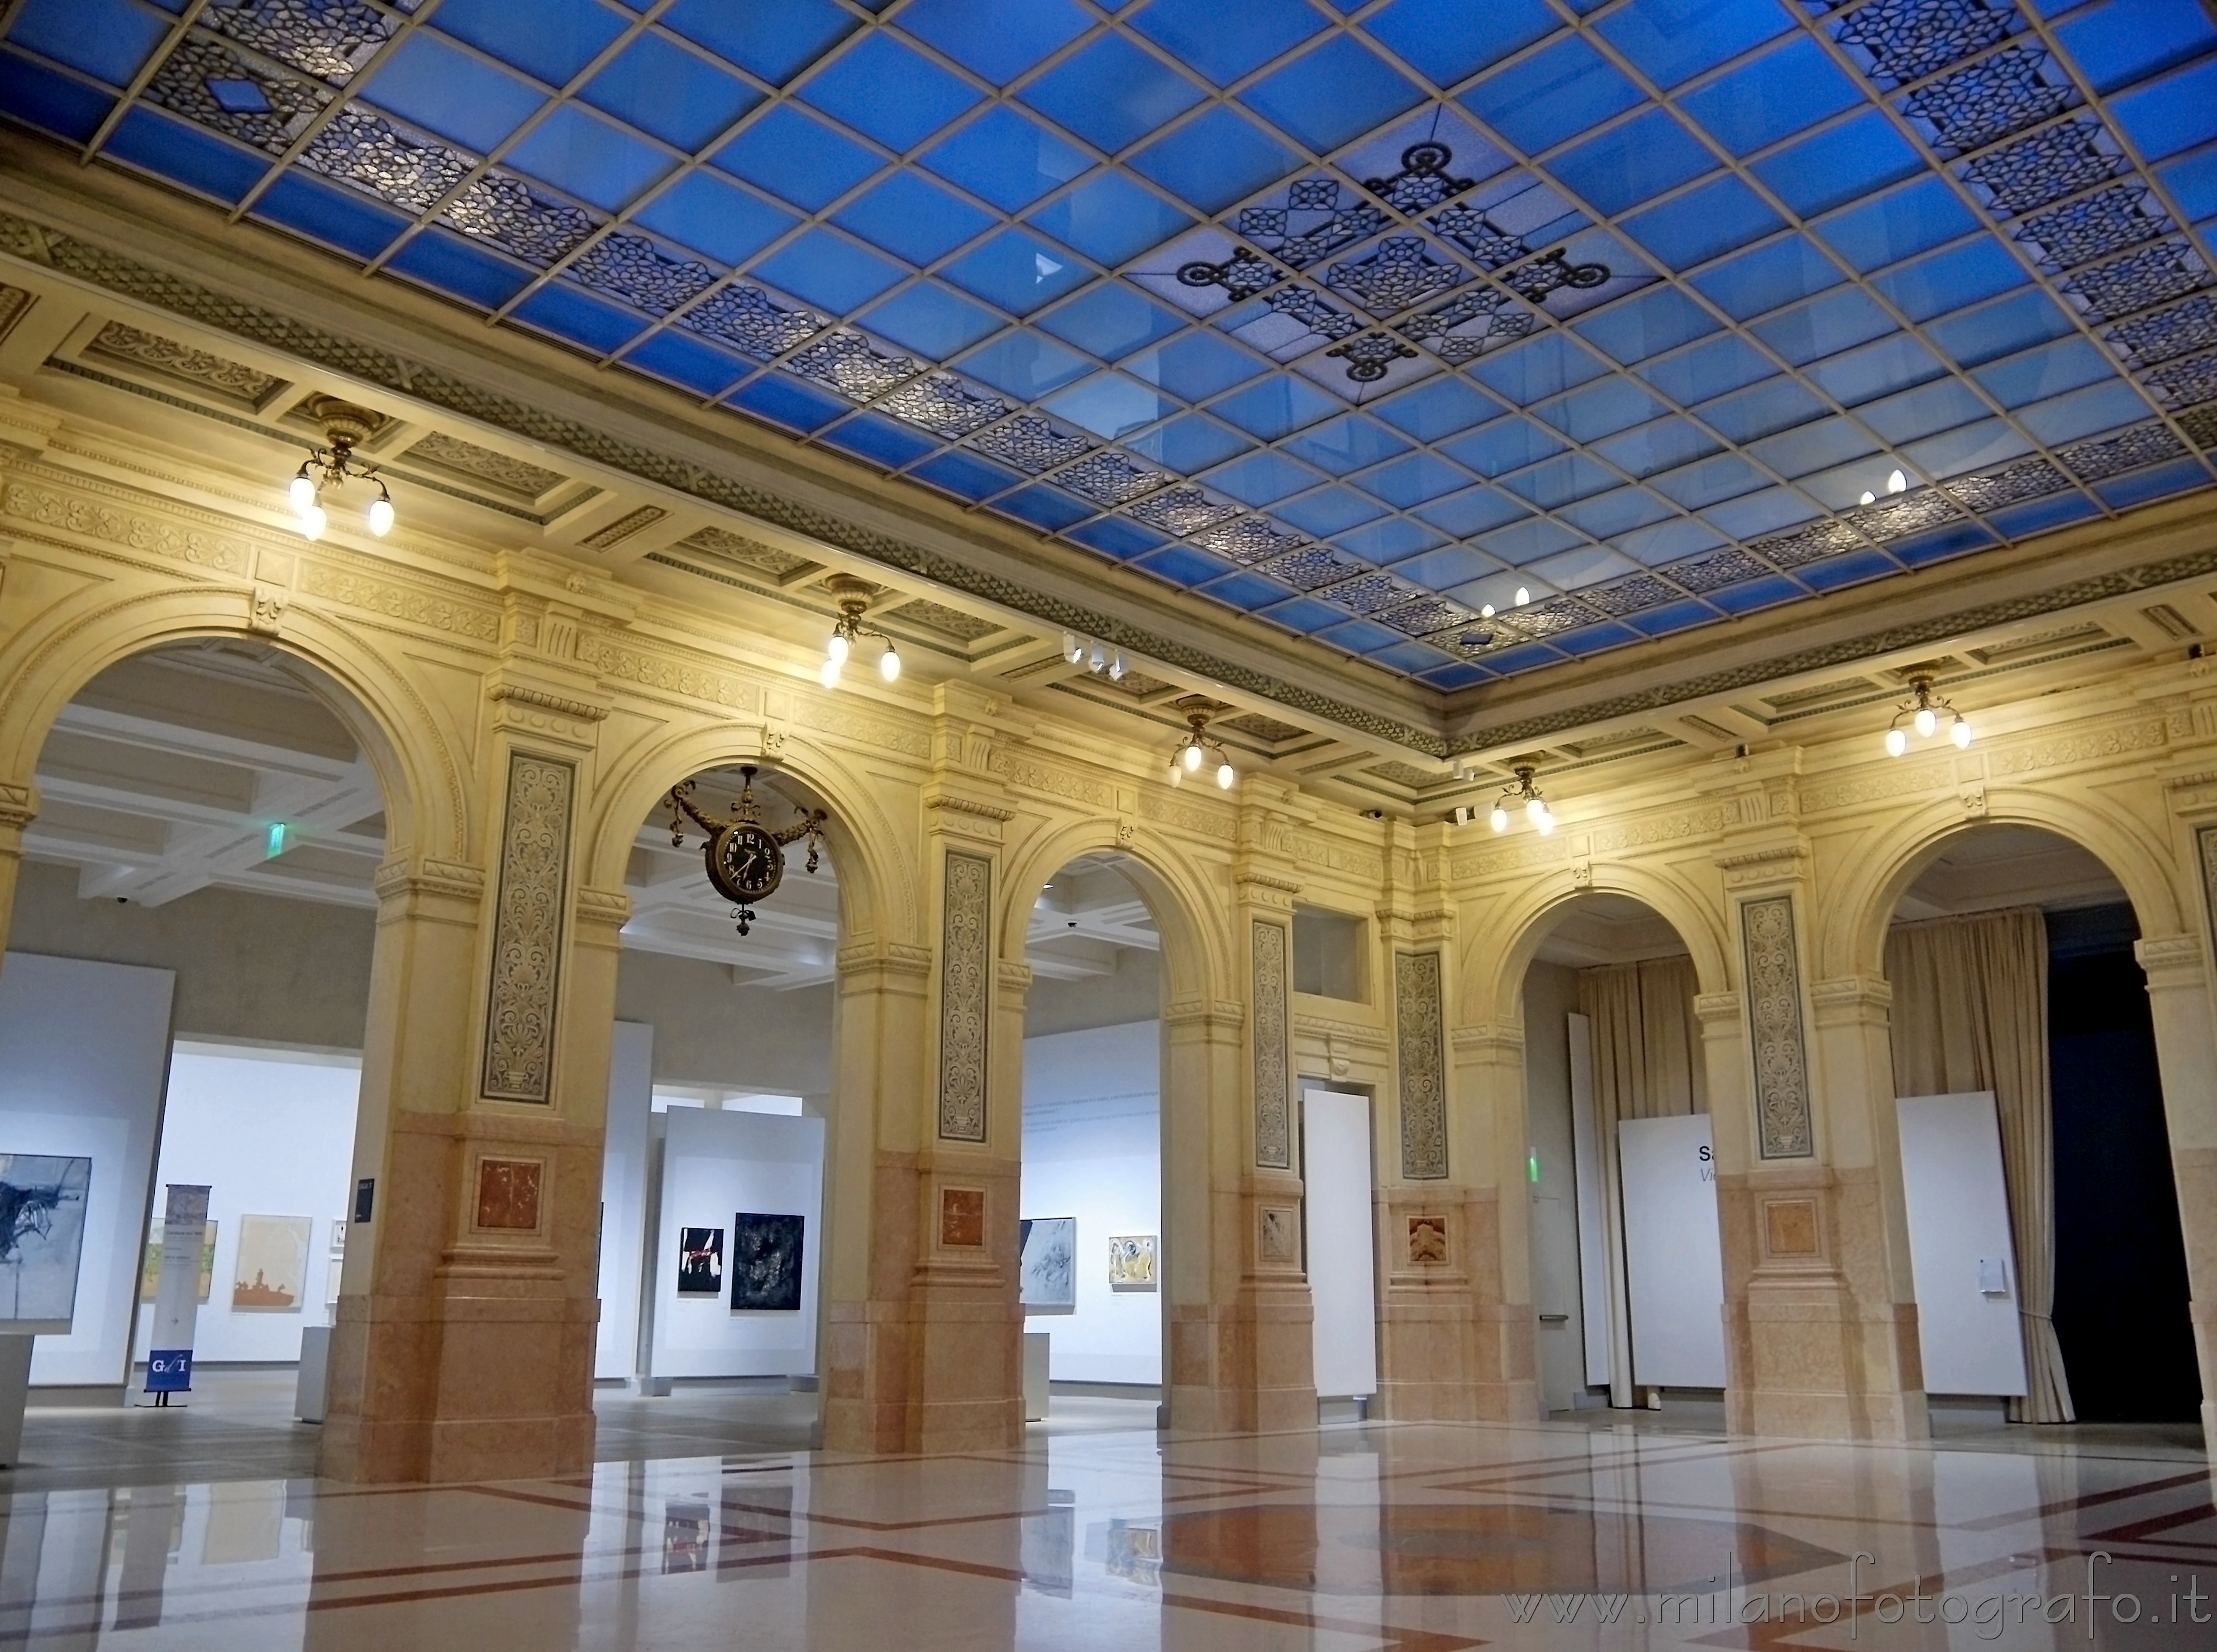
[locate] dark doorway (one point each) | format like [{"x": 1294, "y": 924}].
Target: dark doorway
[{"x": 2121, "y": 1288}]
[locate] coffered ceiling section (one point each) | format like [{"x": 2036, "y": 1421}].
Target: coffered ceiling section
[{"x": 1362, "y": 318}]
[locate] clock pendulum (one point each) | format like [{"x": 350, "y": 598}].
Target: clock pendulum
[{"x": 746, "y": 858}]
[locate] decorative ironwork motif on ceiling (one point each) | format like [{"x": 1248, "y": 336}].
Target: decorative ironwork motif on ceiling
[
  {"x": 1370, "y": 357},
  {"x": 1818, "y": 540},
  {"x": 1311, "y": 567},
  {"x": 1422, "y": 182},
  {"x": 2032, "y": 479},
  {"x": 371, "y": 153},
  {"x": 2057, "y": 161},
  {"x": 2187, "y": 383},
  {"x": 517, "y": 218},
  {"x": 1182, "y": 510},
  {"x": 207, "y": 82},
  {"x": 750, "y": 318},
  {"x": 1467, "y": 325},
  {"x": 2138, "y": 280},
  {"x": 1248, "y": 540},
  {"x": 1634, "y": 594},
  {"x": 1110, "y": 477},
  {"x": 1478, "y": 236},
  {"x": 1996, "y": 97},
  {"x": 941, "y": 402},
  {"x": 1314, "y": 218},
  {"x": 1901, "y": 41},
  {"x": 2144, "y": 444},
  {"x": 1718, "y": 569},
  {"x": 2167, "y": 333},
  {"x": 635, "y": 270},
  {"x": 849, "y": 364},
  {"x": 2094, "y": 225},
  {"x": 332, "y": 40},
  {"x": 1534, "y": 281},
  {"x": 1889, "y": 520},
  {"x": 1400, "y": 272},
  {"x": 1242, "y": 274},
  {"x": 1299, "y": 304},
  {"x": 1030, "y": 443},
  {"x": 1369, "y": 591}
]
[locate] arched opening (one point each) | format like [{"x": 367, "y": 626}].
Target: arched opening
[
  {"x": 2035, "y": 1159},
  {"x": 1093, "y": 1248},
  {"x": 184, "y": 1006},
  {"x": 1627, "y": 1272},
  {"x": 716, "y": 1173}
]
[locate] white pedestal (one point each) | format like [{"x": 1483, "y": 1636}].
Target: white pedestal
[
  {"x": 315, "y": 1374},
  {"x": 15, "y": 1388},
  {"x": 1035, "y": 1351}
]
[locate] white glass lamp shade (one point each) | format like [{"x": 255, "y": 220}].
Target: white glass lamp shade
[
  {"x": 1896, "y": 742},
  {"x": 1499, "y": 818},
  {"x": 889, "y": 663}
]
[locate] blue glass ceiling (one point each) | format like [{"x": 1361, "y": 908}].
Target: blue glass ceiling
[{"x": 1356, "y": 317}]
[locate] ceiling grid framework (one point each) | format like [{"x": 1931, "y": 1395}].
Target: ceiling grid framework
[{"x": 1351, "y": 319}]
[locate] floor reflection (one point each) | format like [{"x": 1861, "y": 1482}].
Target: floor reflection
[{"x": 1427, "y": 1537}]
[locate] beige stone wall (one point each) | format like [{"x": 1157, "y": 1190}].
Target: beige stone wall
[{"x": 523, "y": 716}]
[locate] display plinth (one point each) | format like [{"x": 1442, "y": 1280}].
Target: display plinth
[
  {"x": 1035, "y": 1380},
  {"x": 315, "y": 1374},
  {"x": 14, "y": 1390}
]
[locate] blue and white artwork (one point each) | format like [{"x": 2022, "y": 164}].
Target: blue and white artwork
[
  {"x": 42, "y": 1201},
  {"x": 1046, "y": 1264}
]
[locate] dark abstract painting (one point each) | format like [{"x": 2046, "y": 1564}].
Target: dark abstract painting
[
  {"x": 766, "y": 1262},
  {"x": 699, "y": 1261}
]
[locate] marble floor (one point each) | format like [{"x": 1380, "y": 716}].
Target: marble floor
[{"x": 1098, "y": 1535}]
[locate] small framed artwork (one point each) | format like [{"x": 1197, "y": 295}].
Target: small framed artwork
[
  {"x": 1047, "y": 1263},
  {"x": 766, "y": 1261},
  {"x": 699, "y": 1261},
  {"x": 1132, "y": 1261}
]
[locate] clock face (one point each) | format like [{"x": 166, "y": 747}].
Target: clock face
[{"x": 745, "y": 863}]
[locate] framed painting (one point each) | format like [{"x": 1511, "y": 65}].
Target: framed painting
[
  {"x": 41, "y": 1236},
  {"x": 699, "y": 1261},
  {"x": 269, "y": 1275},
  {"x": 1046, "y": 1264},
  {"x": 1132, "y": 1261},
  {"x": 766, "y": 1262}
]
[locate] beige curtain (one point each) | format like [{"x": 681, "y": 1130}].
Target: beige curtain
[
  {"x": 1970, "y": 1013},
  {"x": 1647, "y": 1063}
]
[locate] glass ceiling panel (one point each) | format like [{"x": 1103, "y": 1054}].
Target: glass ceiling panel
[{"x": 1337, "y": 317}]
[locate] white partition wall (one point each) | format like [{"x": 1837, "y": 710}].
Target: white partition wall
[
  {"x": 1093, "y": 1152},
  {"x": 1960, "y": 1251},
  {"x": 1674, "y": 1260},
  {"x": 270, "y": 1133},
  {"x": 715, "y": 1165},
  {"x": 83, "y": 1051},
  {"x": 1342, "y": 1256},
  {"x": 623, "y": 1198}
]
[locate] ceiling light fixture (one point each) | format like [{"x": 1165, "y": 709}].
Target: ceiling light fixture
[
  {"x": 1199, "y": 746},
  {"x": 1525, "y": 791},
  {"x": 1923, "y": 712},
  {"x": 334, "y": 464},
  {"x": 854, "y": 595}
]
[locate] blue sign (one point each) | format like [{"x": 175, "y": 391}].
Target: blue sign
[{"x": 170, "y": 1370}]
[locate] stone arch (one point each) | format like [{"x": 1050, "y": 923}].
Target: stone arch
[
  {"x": 878, "y": 891},
  {"x": 1851, "y": 938},
  {"x": 427, "y": 804},
  {"x": 1494, "y": 990},
  {"x": 1192, "y": 949}
]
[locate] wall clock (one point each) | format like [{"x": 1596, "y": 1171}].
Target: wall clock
[{"x": 745, "y": 859}]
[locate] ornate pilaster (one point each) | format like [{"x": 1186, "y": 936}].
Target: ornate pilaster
[
  {"x": 2179, "y": 1004},
  {"x": 1819, "y": 1308}
]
